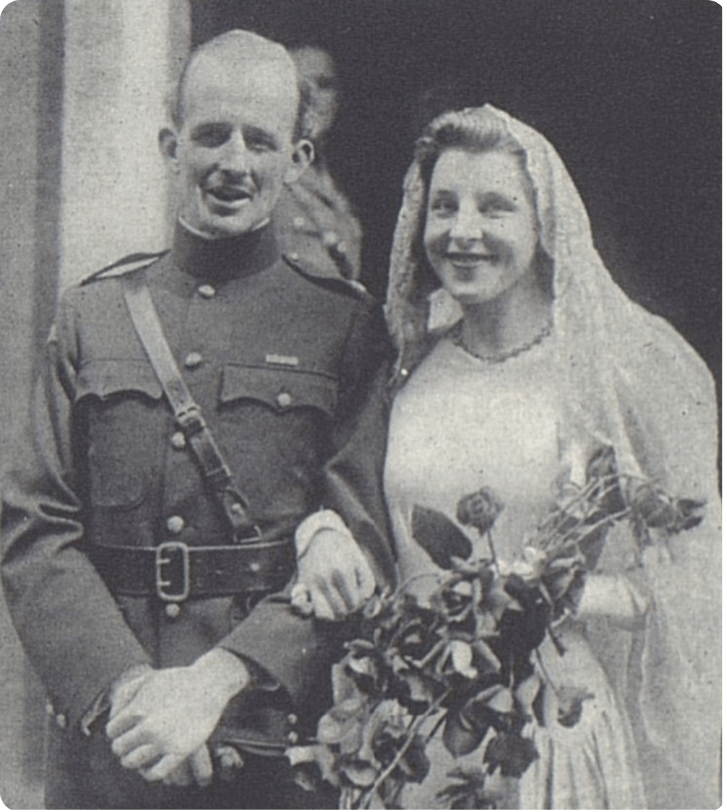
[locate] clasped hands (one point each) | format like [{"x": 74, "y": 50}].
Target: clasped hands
[{"x": 160, "y": 720}]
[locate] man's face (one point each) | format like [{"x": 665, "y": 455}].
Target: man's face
[{"x": 235, "y": 149}]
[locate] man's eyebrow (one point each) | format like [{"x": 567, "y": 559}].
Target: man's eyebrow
[
  {"x": 261, "y": 136},
  {"x": 208, "y": 127}
]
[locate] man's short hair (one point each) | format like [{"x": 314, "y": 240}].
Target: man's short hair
[{"x": 305, "y": 93}]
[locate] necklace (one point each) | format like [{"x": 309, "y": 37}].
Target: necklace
[{"x": 457, "y": 336}]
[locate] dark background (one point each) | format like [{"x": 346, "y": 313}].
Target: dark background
[{"x": 628, "y": 91}]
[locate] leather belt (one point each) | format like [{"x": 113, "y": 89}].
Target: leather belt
[{"x": 173, "y": 571}]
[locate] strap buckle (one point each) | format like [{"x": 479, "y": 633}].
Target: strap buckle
[{"x": 171, "y": 571}]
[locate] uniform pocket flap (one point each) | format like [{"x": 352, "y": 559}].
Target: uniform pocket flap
[
  {"x": 112, "y": 376},
  {"x": 281, "y": 389}
]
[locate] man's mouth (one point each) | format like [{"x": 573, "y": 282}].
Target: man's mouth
[{"x": 229, "y": 194}]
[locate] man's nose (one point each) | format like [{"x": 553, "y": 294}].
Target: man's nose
[{"x": 235, "y": 155}]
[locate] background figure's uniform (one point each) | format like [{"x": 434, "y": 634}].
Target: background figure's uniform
[
  {"x": 278, "y": 362},
  {"x": 315, "y": 221}
]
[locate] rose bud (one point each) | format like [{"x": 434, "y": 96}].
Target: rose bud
[
  {"x": 479, "y": 510},
  {"x": 654, "y": 506}
]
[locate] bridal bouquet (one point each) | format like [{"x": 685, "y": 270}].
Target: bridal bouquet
[{"x": 464, "y": 664}]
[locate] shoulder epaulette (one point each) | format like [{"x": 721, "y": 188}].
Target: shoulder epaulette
[
  {"x": 337, "y": 283},
  {"x": 132, "y": 262}
]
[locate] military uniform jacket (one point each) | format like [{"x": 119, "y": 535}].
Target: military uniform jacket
[{"x": 279, "y": 362}]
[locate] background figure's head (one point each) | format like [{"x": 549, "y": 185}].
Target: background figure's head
[
  {"x": 236, "y": 134},
  {"x": 318, "y": 72},
  {"x": 478, "y": 226}
]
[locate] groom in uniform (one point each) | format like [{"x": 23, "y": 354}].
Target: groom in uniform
[{"x": 146, "y": 549}]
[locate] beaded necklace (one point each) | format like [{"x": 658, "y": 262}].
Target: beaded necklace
[{"x": 456, "y": 334}]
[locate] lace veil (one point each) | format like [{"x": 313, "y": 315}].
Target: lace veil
[{"x": 629, "y": 381}]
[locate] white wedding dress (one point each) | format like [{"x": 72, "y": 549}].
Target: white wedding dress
[{"x": 461, "y": 424}]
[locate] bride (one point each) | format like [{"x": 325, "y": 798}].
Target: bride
[{"x": 518, "y": 361}]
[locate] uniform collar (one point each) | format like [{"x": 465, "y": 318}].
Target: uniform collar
[{"x": 226, "y": 258}]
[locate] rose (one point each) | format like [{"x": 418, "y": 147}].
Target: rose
[{"x": 479, "y": 510}]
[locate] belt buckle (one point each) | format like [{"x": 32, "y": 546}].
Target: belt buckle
[
  {"x": 251, "y": 535},
  {"x": 179, "y": 556}
]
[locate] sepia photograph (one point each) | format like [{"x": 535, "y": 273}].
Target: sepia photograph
[{"x": 361, "y": 392}]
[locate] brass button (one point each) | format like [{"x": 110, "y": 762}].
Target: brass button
[
  {"x": 330, "y": 238},
  {"x": 61, "y": 721},
  {"x": 292, "y": 719},
  {"x": 284, "y": 399},
  {"x": 49, "y": 709},
  {"x": 206, "y": 291},
  {"x": 179, "y": 441},
  {"x": 173, "y": 610},
  {"x": 175, "y": 524},
  {"x": 299, "y": 223},
  {"x": 295, "y": 256},
  {"x": 255, "y": 566},
  {"x": 194, "y": 359}
]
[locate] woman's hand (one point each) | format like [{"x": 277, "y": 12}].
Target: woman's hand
[{"x": 334, "y": 577}]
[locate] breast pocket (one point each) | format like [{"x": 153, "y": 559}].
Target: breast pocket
[
  {"x": 282, "y": 390},
  {"x": 122, "y": 403}
]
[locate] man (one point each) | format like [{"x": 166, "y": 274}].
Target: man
[
  {"x": 145, "y": 579},
  {"x": 314, "y": 218}
]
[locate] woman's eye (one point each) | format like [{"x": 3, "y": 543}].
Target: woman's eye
[
  {"x": 495, "y": 208},
  {"x": 444, "y": 207}
]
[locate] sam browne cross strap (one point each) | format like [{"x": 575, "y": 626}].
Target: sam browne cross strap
[{"x": 174, "y": 571}]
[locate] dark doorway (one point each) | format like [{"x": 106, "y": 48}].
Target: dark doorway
[{"x": 628, "y": 91}]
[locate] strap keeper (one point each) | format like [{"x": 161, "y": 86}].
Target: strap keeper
[{"x": 190, "y": 420}]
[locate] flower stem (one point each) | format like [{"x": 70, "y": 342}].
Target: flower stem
[
  {"x": 491, "y": 544},
  {"x": 414, "y": 730}
]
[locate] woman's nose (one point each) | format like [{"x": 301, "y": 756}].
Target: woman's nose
[{"x": 467, "y": 226}]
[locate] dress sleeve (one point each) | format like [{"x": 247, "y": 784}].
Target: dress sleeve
[{"x": 67, "y": 621}]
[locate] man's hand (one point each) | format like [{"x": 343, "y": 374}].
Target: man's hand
[
  {"x": 172, "y": 713},
  {"x": 334, "y": 577}
]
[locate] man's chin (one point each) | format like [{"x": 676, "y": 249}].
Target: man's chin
[{"x": 227, "y": 227}]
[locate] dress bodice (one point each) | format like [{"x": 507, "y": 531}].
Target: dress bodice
[{"x": 461, "y": 424}]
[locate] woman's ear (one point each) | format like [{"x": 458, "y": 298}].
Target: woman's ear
[
  {"x": 168, "y": 143},
  {"x": 302, "y": 158}
]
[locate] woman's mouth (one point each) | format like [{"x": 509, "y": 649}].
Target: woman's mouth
[{"x": 468, "y": 260}]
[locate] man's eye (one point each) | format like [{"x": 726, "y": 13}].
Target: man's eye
[{"x": 211, "y": 136}]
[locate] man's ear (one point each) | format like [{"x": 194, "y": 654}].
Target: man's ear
[
  {"x": 168, "y": 143},
  {"x": 302, "y": 158}
]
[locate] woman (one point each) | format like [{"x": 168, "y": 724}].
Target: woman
[{"x": 519, "y": 361}]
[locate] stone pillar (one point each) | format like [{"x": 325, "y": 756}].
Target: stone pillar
[
  {"x": 83, "y": 87},
  {"x": 122, "y": 58}
]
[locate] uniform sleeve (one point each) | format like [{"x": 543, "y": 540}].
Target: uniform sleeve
[
  {"x": 67, "y": 621},
  {"x": 297, "y": 651}
]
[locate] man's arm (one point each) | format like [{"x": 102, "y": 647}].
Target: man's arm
[{"x": 68, "y": 622}]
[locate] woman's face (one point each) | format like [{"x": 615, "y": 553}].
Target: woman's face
[{"x": 481, "y": 231}]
